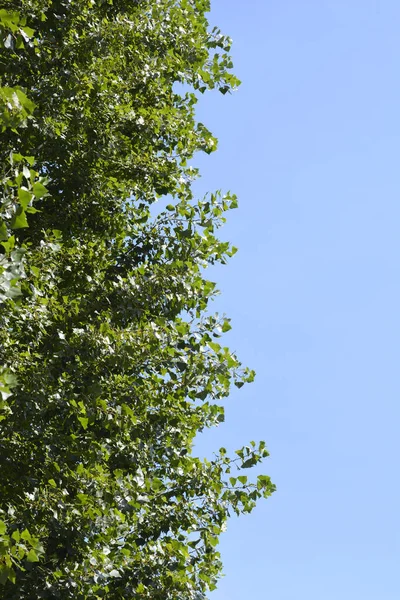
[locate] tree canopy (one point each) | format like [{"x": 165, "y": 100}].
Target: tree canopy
[{"x": 111, "y": 361}]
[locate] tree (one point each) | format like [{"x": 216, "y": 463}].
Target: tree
[{"x": 111, "y": 360}]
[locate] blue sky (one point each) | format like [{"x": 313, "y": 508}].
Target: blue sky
[{"x": 310, "y": 143}]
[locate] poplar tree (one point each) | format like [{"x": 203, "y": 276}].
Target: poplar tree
[{"x": 111, "y": 361}]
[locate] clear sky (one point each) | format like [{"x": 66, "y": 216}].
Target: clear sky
[{"x": 310, "y": 143}]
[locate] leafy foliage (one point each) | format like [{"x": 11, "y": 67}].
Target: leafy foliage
[{"x": 111, "y": 361}]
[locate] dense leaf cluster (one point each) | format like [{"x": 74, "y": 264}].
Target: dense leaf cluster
[{"x": 110, "y": 361}]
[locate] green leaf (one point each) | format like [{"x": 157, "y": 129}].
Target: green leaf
[
  {"x": 16, "y": 535},
  {"x": 3, "y": 231},
  {"x": 28, "y": 31},
  {"x": 226, "y": 326},
  {"x": 32, "y": 556},
  {"x": 10, "y": 378},
  {"x": 250, "y": 462},
  {"x": 25, "y": 535},
  {"x": 24, "y": 100},
  {"x": 84, "y": 422},
  {"x": 19, "y": 220},
  {"x": 24, "y": 197},
  {"x": 11, "y": 575},
  {"x": 39, "y": 190}
]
